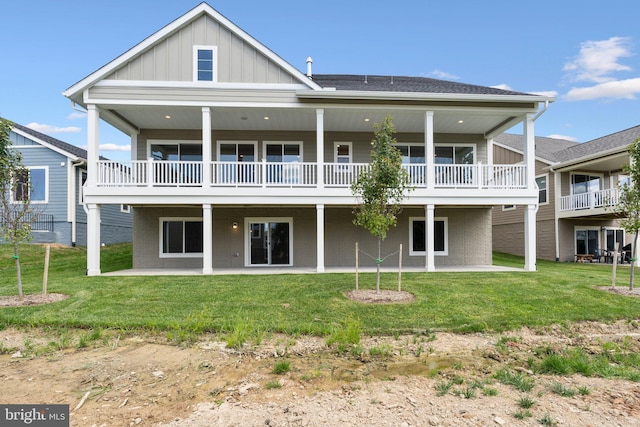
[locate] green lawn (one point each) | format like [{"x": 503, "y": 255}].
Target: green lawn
[{"x": 312, "y": 303}]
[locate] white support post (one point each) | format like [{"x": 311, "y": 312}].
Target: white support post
[
  {"x": 429, "y": 149},
  {"x": 430, "y": 261},
  {"x": 93, "y": 144},
  {"x": 134, "y": 146},
  {"x": 207, "y": 239},
  {"x": 206, "y": 147},
  {"x": 93, "y": 239},
  {"x": 320, "y": 147},
  {"x": 530, "y": 152},
  {"x": 530, "y": 237},
  {"x": 320, "y": 238},
  {"x": 490, "y": 151}
]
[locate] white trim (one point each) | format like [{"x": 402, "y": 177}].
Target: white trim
[
  {"x": 247, "y": 239},
  {"x": 508, "y": 208},
  {"x": 577, "y": 172},
  {"x": 151, "y": 142},
  {"x": 193, "y": 14},
  {"x": 80, "y": 185},
  {"x": 214, "y": 60},
  {"x": 457, "y": 144},
  {"x": 124, "y": 208},
  {"x": 46, "y": 186},
  {"x": 585, "y": 228},
  {"x": 161, "y": 220},
  {"x": 546, "y": 176},
  {"x": 443, "y": 219},
  {"x": 298, "y": 143},
  {"x": 337, "y": 144},
  {"x": 196, "y": 84},
  {"x": 359, "y": 94},
  {"x": 219, "y": 142}
]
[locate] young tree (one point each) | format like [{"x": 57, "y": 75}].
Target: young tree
[
  {"x": 16, "y": 212},
  {"x": 629, "y": 202},
  {"x": 381, "y": 187}
]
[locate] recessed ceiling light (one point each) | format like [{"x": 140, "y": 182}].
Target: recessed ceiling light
[
  {"x": 266, "y": 117},
  {"x": 167, "y": 116},
  {"x": 366, "y": 120},
  {"x": 460, "y": 121}
]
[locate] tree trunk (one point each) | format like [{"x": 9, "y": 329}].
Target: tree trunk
[
  {"x": 378, "y": 261},
  {"x": 633, "y": 260},
  {"x": 18, "y": 272}
]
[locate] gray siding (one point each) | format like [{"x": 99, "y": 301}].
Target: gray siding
[{"x": 171, "y": 59}]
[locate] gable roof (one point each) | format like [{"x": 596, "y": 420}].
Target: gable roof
[
  {"x": 72, "y": 151},
  {"x": 615, "y": 142},
  {"x": 202, "y": 9},
  {"x": 547, "y": 149},
  {"x": 404, "y": 84}
]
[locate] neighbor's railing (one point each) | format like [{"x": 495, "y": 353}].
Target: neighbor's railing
[{"x": 590, "y": 200}]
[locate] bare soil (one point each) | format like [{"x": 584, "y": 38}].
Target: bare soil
[{"x": 120, "y": 380}]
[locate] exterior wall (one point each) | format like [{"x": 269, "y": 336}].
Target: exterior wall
[
  {"x": 361, "y": 141},
  {"x": 469, "y": 237},
  {"x": 566, "y": 230},
  {"x": 172, "y": 58}
]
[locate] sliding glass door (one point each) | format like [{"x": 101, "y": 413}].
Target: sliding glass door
[{"x": 269, "y": 241}]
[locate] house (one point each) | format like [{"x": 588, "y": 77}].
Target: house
[
  {"x": 57, "y": 171},
  {"x": 240, "y": 160},
  {"x": 578, "y": 190}
]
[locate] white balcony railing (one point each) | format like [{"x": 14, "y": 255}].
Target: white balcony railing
[
  {"x": 153, "y": 173},
  {"x": 590, "y": 200}
]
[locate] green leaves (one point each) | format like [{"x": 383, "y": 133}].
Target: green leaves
[{"x": 383, "y": 185}]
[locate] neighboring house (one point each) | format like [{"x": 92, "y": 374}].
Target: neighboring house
[
  {"x": 578, "y": 189},
  {"x": 240, "y": 160},
  {"x": 56, "y": 171}
]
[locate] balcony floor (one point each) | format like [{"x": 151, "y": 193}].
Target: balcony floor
[{"x": 300, "y": 270}]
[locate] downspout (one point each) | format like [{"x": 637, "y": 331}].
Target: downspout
[
  {"x": 556, "y": 195},
  {"x": 74, "y": 219},
  {"x": 546, "y": 105}
]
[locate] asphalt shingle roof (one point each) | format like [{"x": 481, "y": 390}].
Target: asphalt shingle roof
[
  {"x": 546, "y": 148},
  {"x": 404, "y": 84},
  {"x": 621, "y": 139}
]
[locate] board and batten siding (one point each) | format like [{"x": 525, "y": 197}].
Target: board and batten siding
[{"x": 171, "y": 59}]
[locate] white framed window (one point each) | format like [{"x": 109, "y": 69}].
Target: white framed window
[
  {"x": 417, "y": 236},
  {"x": 542, "y": 181},
  {"x": 160, "y": 149},
  {"x": 181, "y": 237},
  {"x": 287, "y": 153},
  {"x": 411, "y": 152},
  {"x": 623, "y": 180},
  {"x": 125, "y": 208},
  {"x": 508, "y": 207},
  {"x": 454, "y": 154},
  {"x": 205, "y": 63},
  {"x": 32, "y": 184},
  {"x": 587, "y": 240},
  {"x": 585, "y": 182},
  {"x": 82, "y": 179},
  {"x": 342, "y": 152}
]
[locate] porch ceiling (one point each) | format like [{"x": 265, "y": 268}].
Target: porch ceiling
[{"x": 359, "y": 119}]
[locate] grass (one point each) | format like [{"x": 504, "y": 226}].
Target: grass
[{"x": 306, "y": 304}]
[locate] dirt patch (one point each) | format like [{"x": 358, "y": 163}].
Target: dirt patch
[
  {"x": 371, "y": 296},
  {"x": 35, "y": 299},
  {"x": 635, "y": 292},
  {"x": 120, "y": 380}
]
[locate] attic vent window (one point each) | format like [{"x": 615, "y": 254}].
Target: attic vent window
[{"x": 204, "y": 63}]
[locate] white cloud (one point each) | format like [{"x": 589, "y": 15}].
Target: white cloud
[
  {"x": 48, "y": 129},
  {"x": 76, "y": 115},
  {"x": 114, "y": 147},
  {"x": 598, "y": 59},
  {"x": 621, "y": 89},
  {"x": 502, "y": 86},
  {"x": 439, "y": 74},
  {"x": 568, "y": 138}
]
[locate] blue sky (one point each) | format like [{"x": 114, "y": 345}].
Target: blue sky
[{"x": 586, "y": 53}]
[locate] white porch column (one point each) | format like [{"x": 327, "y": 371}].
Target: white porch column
[
  {"x": 320, "y": 238},
  {"x": 320, "y": 147},
  {"x": 93, "y": 144},
  {"x": 429, "y": 215},
  {"x": 490, "y": 151},
  {"x": 207, "y": 239},
  {"x": 429, "y": 150},
  {"x": 530, "y": 151},
  {"x": 530, "y": 237},
  {"x": 93, "y": 239},
  {"x": 134, "y": 146},
  {"x": 206, "y": 147}
]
